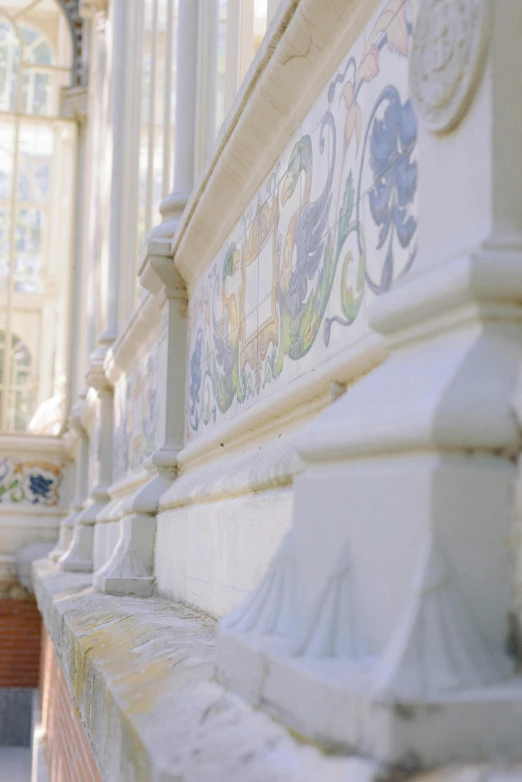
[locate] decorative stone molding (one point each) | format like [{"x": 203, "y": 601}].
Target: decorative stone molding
[
  {"x": 271, "y": 608},
  {"x": 448, "y": 55},
  {"x": 158, "y": 272},
  {"x": 334, "y": 632},
  {"x": 436, "y": 646},
  {"x": 270, "y": 466}
]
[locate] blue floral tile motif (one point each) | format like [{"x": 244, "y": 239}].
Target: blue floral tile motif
[
  {"x": 335, "y": 221},
  {"x": 31, "y": 483},
  {"x": 391, "y": 143},
  {"x": 40, "y": 488}
]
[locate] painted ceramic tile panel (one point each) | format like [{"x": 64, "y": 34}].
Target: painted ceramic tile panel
[
  {"x": 136, "y": 414},
  {"x": 334, "y": 224},
  {"x": 30, "y": 483}
]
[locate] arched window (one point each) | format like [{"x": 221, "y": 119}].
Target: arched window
[{"x": 37, "y": 151}]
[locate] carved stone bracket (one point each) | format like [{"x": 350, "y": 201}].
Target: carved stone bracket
[{"x": 158, "y": 270}]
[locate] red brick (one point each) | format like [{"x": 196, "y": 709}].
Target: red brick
[{"x": 69, "y": 757}]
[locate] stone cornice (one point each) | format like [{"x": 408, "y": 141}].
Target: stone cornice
[
  {"x": 303, "y": 45},
  {"x": 143, "y": 320}
]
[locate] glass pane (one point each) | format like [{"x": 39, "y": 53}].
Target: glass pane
[
  {"x": 260, "y": 17},
  {"x": 36, "y": 202},
  {"x": 221, "y": 64},
  {"x": 36, "y": 152},
  {"x": 159, "y": 108},
  {"x": 10, "y": 59},
  {"x": 146, "y": 104},
  {"x": 173, "y": 66}
]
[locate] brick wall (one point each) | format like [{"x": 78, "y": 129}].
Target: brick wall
[
  {"x": 20, "y": 625},
  {"x": 68, "y": 755}
]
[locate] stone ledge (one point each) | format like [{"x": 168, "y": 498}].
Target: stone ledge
[{"x": 141, "y": 674}]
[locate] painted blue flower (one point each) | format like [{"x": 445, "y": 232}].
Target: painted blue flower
[
  {"x": 395, "y": 177},
  {"x": 40, "y": 487}
]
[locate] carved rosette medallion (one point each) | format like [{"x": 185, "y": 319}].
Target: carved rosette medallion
[{"x": 448, "y": 54}]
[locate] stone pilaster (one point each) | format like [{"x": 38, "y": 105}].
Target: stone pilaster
[{"x": 130, "y": 570}]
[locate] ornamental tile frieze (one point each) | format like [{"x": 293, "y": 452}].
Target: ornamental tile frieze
[
  {"x": 30, "y": 483},
  {"x": 333, "y": 225}
]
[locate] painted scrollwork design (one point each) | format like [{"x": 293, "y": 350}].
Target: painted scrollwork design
[{"x": 339, "y": 221}]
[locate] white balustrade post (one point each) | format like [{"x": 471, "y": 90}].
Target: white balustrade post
[
  {"x": 130, "y": 569},
  {"x": 79, "y": 557},
  {"x": 80, "y": 493}
]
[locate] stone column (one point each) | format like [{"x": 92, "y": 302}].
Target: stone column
[
  {"x": 80, "y": 556},
  {"x": 185, "y": 131},
  {"x": 382, "y": 624},
  {"x": 74, "y": 105},
  {"x": 120, "y": 11},
  {"x": 130, "y": 570}
]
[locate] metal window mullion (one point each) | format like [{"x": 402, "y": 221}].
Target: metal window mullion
[
  {"x": 152, "y": 119},
  {"x": 35, "y": 66},
  {"x": 9, "y": 75},
  {"x": 233, "y": 51},
  {"x": 35, "y": 118},
  {"x": 5, "y": 417},
  {"x": 246, "y": 38},
  {"x": 139, "y": 31},
  {"x": 26, "y": 9},
  {"x": 30, "y": 92},
  {"x": 167, "y": 141}
]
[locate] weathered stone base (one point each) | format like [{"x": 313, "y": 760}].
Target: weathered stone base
[
  {"x": 141, "y": 673},
  {"x": 335, "y": 698}
]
